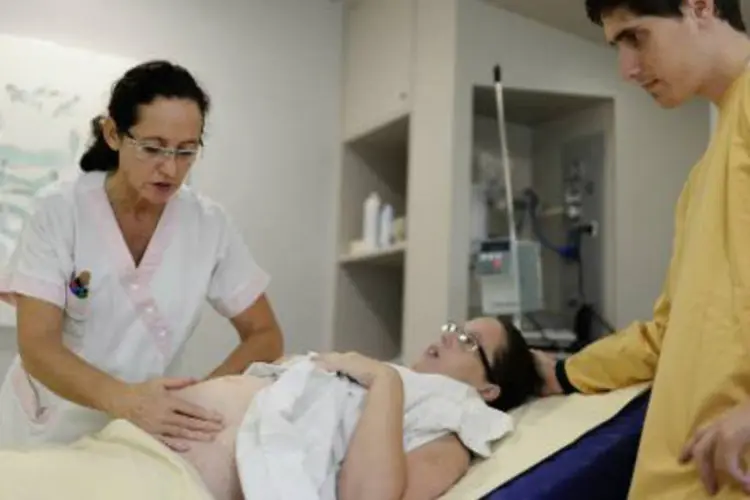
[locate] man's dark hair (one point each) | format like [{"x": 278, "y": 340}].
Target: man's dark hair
[
  {"x": 727, "y": 10},
  {"x": 514, "y": 370}
]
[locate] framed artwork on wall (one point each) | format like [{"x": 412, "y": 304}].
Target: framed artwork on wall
[{"x": 48, "y": 96}]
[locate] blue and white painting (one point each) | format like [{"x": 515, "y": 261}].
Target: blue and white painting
[
  {"x": 48, "y": 95},
  {"x": 27, "y": 164}
]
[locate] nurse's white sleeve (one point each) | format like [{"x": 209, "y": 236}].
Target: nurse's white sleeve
[
  {"x": 41, "y": 262},
  {"x": 237, "y": 280}
]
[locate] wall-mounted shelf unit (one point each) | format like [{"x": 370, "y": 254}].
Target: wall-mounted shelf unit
[
  {"x": 368, "y": 300},
  {"x": 378, "y": 44},
  {"x": 391, "y": 256}
]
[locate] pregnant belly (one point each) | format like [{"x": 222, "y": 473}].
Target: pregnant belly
[{"x": 215, "y": 460}]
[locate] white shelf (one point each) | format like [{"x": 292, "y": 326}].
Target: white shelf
[
  {"x": 391, "y": 256},
  {"x": 375, "y": 141},
  {"x": 389, "y": 129}
]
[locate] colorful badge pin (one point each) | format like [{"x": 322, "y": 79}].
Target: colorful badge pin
[{"x": 80, "y": 285}]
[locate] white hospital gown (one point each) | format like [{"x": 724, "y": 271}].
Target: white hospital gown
[
  {"x": 135, "y": 319},
  {"x": 294, "y": 436}
]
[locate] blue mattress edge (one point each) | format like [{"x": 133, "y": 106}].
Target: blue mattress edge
[{"x": 602, "y": 458}]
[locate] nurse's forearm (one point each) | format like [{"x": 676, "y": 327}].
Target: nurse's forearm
[
  {"x": 265, "y": 346},
  {"x": 69, "y": 376},
  {"x": 48, "y": 360},
  {"x": 260, "y": 335}
]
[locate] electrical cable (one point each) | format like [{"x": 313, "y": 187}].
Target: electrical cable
[{"x": 569, "y": 252}]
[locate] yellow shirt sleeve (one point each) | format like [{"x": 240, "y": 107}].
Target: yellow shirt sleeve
[
  {"x": 625, "y": 358},
  {"x": 738, "y": 219},
  {"x": 629, "y": 356}
]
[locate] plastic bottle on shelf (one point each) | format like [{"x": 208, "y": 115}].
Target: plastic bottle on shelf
[
  {"x": 371, "y": 214},
  {"x": 385, "y": 231}
]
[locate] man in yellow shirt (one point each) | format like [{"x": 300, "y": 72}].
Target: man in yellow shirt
[{"x": 696, "y": 349}]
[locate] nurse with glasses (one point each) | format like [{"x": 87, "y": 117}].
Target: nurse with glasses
[
  {"x": 155, "y": 154},
  {"x": 111, "y": 272}
]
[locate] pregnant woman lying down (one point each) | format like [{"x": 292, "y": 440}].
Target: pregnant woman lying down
[{"x": 486, "y": 355}]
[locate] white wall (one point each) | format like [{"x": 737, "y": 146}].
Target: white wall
[
  {"x": 429, "y": 206},
  {"x": 654, "y": 148},
  {"x": 273, "y": 70}
]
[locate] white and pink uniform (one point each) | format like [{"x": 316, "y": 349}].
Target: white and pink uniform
[{"x": 135, "y": 319}]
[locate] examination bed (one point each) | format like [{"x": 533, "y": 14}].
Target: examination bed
[
  {"x": 563, "y": 448},
  {"x": 597, "y": 466}
]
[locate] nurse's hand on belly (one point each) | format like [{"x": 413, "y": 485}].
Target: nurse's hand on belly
[{"x": 154, "y": 407}]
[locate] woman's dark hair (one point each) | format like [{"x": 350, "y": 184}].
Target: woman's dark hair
[
  {"x": 139, "y": 86},
  {"x": 514, "y": 370}
]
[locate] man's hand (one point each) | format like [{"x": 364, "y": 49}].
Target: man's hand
[
  {"x": 718, "y": 449},
  {"x": 545, "y": 365}
]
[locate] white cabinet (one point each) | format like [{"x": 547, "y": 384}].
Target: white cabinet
[
  {"x": 378, "y": 47},
  {"x": 378, "y": 51}
]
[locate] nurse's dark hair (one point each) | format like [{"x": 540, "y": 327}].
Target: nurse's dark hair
[
  {"x": 514, "y": 370},
  {"x": 727, "y": 10},
  {"x": 139, "y": 86}
]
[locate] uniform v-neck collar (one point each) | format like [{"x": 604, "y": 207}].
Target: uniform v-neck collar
[{"x": 110, "y": 229}]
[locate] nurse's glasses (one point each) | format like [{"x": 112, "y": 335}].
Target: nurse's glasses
[
  {"x": 152, "y": 153},
  {"x": 471, "y": 344}
]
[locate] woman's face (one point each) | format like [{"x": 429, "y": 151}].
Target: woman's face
[
  {"x": 461, "y": 360},
  {"x": 155, "y": 154}
]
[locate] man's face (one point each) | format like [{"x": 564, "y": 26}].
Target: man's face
[{"x": 659, "y": 54}]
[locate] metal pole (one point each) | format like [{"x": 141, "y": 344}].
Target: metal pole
[{"x": 510, "y": 208}]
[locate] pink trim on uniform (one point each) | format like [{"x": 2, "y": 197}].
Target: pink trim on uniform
[
  {"x": 7, "y": 295},
  {"x": 244, "y": 298},
  {"x": 137, "y": 280},
  {"x": 137, "y": 288},
  {"x": 110, "y": 230},
  {"x": 23, "y": 284},
  {"x": 9, "y": 298}
]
